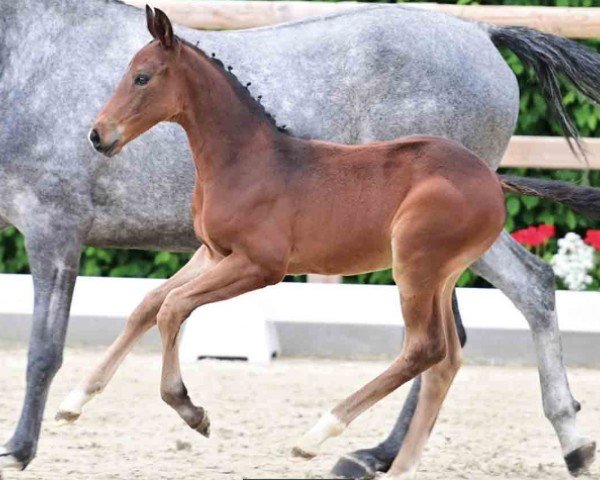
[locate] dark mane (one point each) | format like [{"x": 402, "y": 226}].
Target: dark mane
[{"x": 242, "y": 91}]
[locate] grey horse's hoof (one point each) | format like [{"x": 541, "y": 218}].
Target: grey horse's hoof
[
  {"x": 580, "y": 459},
  {"x": 8, "y": 460},
  {"x": 351, "y": 466},
  {"x": 203, "y": 428}
]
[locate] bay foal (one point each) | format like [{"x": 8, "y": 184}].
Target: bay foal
[{"x": 266, "y": 204}]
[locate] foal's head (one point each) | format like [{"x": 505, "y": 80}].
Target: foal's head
[{"x": 146, "y": 95}]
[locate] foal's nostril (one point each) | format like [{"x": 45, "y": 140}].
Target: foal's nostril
[{"x": 95, "y": 138}]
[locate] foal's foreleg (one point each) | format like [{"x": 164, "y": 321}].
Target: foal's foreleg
[
  {"x": 232, "y": 276},
  {"x": 424, "y": 346},
  {"x": 138, "y": 323}
]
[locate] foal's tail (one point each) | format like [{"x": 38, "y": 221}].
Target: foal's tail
[
  {"x": 552, "y": 56},
  {"x": 585, "y": 200}
]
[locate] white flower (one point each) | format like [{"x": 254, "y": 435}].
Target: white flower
[{"x": 573, "y": 262}]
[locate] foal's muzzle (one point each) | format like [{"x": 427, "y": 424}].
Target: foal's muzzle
[
  {"x": 95, "y": 139},
  {"x": 107, "y": 146}
]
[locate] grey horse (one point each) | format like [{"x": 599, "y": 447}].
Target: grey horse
[{"x": 375, "y": 73}]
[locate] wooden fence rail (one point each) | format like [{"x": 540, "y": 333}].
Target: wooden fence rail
[
  {"x": 235, "y": 14},
  {"x": 549, "y": 152}
]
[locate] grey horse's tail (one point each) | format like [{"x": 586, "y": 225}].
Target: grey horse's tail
[
  {"x": 585, "y": 200},
  {"x": 552, "y": 56}
]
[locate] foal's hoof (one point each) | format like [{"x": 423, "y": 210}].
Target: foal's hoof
[
  {"x": 64, "y": 416},
  {"x": 580, "y": 459},
  {"x": 203, "y": 428},
  {"x": 349, "y": 466},
  {"x": 69, "y": 409},
  {"x": 298, "y": 452},
  {"x": 308, "y": 445}
]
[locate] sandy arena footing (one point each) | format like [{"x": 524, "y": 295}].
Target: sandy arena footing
[{"x": 492, "y": 425}]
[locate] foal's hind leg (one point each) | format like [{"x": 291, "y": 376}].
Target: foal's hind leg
[
  {"x": 138, "y": 323},
  {"x": 435, "y": 384},
  {"x": 365, "y": 463},
  {"x": 424, "y": 346}
]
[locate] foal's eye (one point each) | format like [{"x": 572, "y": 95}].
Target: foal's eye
[{"x": 141, "y": 79}]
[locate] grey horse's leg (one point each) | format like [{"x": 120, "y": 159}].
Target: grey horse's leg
[
  {"x": 366, "y": 463},
  {"x": 529, "y": 282},
  {"x": 54, "y": 264}
]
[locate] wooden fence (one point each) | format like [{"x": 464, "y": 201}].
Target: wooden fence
[{"x": 236, "y": 14}]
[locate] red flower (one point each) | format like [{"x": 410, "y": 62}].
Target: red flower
[
  {"x": 527, "y": 236},
  {"x": 547, "y": 231},
  {"x": 592, "y": 237},
  {"x": 535, "y": 236}
]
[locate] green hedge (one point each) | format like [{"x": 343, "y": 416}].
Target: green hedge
[{"x": 533, "y": 120}]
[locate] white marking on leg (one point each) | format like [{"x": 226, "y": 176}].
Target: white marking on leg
[
  {"x": 327, "y": 426},
  {"x": 70, "y": 408},
  {"x": 555, "y": 388},
  {"x": 410, "y": 475},
  {"x": 568, "y": 435},
  {"x": 8, "y": 461}
]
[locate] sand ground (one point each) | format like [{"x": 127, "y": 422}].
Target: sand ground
[{"x": 492, "y": 425}]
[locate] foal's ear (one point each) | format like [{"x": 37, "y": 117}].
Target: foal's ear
[
  {"x": 150, "y": 19},
  {"x": 163, "y": 29}
]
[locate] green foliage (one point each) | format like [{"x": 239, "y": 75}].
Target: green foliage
[
  {"x": 13, "y": 258},
  {"x": 533, "y": 120},
  {"x": 131, "y": 263}
]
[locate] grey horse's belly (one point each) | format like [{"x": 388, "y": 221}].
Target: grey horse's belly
[{"x": 142, "y": 197}]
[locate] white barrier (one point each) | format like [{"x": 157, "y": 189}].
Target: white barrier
[
  {"x": 236, "y": 328},
  {"x": 243, "y": 327}
]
